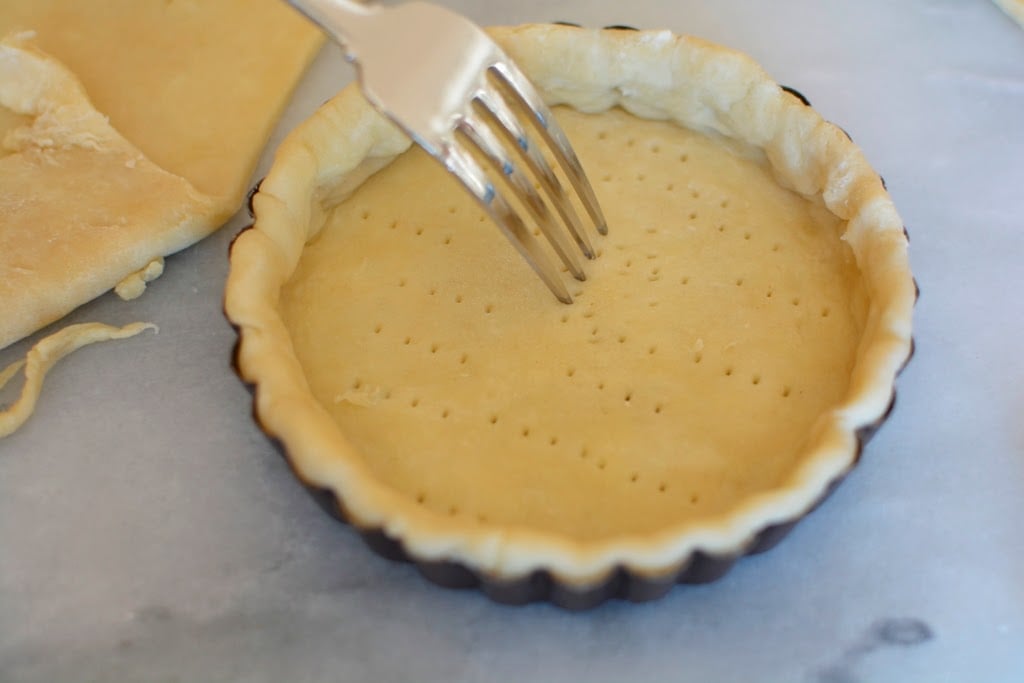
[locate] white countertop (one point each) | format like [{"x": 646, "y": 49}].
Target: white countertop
[{"x": 150, "y": 532}]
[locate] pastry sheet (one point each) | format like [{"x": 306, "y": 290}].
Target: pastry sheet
[{"x": 150, "y": 532}]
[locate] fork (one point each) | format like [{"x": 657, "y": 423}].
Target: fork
[{"x": 443, "y": 81}]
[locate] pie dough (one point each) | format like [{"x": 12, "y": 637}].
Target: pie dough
[
  {"x": 721, "y": 317},
  {"x": 82, "y": 207},
  {"x": 744, "y": 321},
  {"x": 196, "y": 85},
  {"x": 131, "y": 137},
  {"x": 44, "y": 355},
  {"x": 99, "y": 181}
]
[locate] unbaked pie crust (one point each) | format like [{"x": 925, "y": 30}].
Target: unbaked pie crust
[{"x": 739, "y": 333}]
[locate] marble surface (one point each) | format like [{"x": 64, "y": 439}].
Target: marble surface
[{"x": 149, "y": 531}]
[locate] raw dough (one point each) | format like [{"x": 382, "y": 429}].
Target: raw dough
[
  {"x": 134, "y": 285},
  {"x": 488, "y": 341},
  {"x": 92, "y": 197},
  {"x": 196, "y": 85},
  {"x": 81, "y": 207},
  {"x": 45, "y": 355},
  {"x": 132, "y": 137},
  {"x": 721, "y": 319}
]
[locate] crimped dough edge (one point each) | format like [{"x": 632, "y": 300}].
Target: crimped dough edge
[{"x": 652, "y": 74}]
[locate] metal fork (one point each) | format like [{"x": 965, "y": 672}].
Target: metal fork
[{"x": 442, "y": 80}]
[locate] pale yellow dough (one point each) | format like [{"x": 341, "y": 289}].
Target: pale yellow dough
[
  {"x": 134, "y": 285},
  {"x": 44, "y": 355},
  {"x": 128, "y": 131},
  {"x": 746, "y": 319},
  {"x": 81, "y": 207},
  {"x": 720, "y": 320},
  {"x": 131, "y": 137},
  {"x": 196, "y": 85}
]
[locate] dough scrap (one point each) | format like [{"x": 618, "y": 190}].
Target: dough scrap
[
  {"x": 44, "y": 355},
  {"x": 89, "y": 203},
  {"x": 134, "y": 285}
]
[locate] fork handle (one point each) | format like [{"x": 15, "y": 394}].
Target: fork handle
[{"x": 339, "y": 18}]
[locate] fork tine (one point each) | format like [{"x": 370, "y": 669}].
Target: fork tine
[
  {"x": 492, "y": 102},
  {"x": 461, "y": 164},
  {"x": 528, "y": 97},
  {"x": 481, "y": 136}
]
